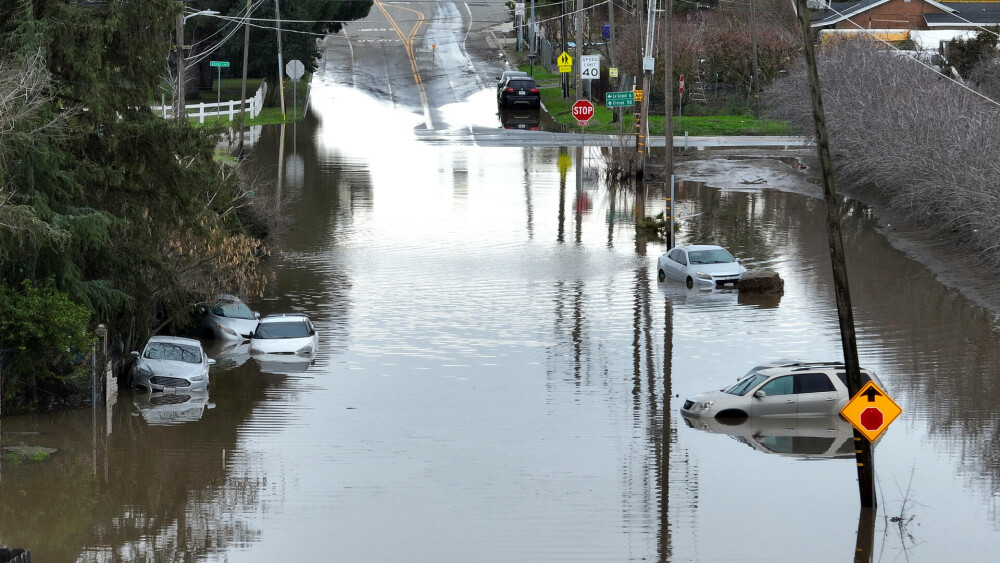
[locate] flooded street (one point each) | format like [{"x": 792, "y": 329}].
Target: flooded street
[{"x": 499, "y": 377}]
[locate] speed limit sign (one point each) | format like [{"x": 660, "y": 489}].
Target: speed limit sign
[{"x": 590, "y": 67}]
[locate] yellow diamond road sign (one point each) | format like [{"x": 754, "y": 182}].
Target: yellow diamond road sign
[
  {"x": 871, "y": 411},
  {"x": 565, "y": 62}
]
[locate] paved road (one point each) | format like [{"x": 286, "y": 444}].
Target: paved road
[{"x": 440, "y": 60}]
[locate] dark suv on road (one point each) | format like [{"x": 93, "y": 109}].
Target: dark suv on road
[{"x": 519, "y": 91}]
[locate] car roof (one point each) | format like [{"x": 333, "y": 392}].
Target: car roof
[
  {"x": 514, "y": 73},
  {"x": 175, "y": 340},
  {"x": 278, "y": 317}
]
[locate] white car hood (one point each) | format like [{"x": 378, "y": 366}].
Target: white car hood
[
  {"x": 727, "y": 269},
  {"x": 280, "y": 345},
  {"x": 171, "y": 368}
]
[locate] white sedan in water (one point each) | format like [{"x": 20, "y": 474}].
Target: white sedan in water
[
  {"x": 284, "y": 337},
  {"x": 701, "y": 264},
  {"x": 171, "y": 362}
]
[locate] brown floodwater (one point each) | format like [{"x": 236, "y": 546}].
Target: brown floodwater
[{"x": 499, "y": 377}]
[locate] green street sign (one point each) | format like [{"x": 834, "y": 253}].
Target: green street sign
[
  {"x": 619, "y": 99},
  {"x": 223, "y": 64}
]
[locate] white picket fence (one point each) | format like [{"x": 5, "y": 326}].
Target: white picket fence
[{"x": 230, "y": 108}]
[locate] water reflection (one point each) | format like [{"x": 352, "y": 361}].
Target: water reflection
[
  {"x": 829, "y": 437},
  {"x": 166, "y": 408}
]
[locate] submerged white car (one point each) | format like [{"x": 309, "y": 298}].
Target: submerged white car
[
  {"x": 172, "y": 362},
  {"x": 796, "y": 388},
  {"x": 287, "y": 334},
  {"x": 705, "y": 265}
]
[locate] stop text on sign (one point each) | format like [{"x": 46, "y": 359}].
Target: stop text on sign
[{"x": 583, "y": 110}]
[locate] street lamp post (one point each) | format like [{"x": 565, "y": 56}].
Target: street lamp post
[{"x": 179, "y": 25}]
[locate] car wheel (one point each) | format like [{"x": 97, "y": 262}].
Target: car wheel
[
  {"x": 689, "y": 283},
  {"x": 661, "y": 276}
]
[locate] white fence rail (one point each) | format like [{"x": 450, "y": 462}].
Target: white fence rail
[{"x": 230, "y": 108}]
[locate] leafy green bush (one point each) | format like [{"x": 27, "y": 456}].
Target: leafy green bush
[{"x": 46, "y": 336}]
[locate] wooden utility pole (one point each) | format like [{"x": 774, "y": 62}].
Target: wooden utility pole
[
  {"x": 640, "y": 123},
  {"x": 281, "y": 64},
  {"x": 863, "y": 448},
  {"x": 668, "y": 123},
  {"x": 755, "y": 89},
  {"x": 577, "y": 78},
  {"x": 243, "y": 88}
]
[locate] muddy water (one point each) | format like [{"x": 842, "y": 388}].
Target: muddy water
[{"x": 499, "y": 378}]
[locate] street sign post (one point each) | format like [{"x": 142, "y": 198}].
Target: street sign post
[
  {"x": 295, "y": 69},
  {"x": 565, "y": 62},
  {"x": 871, "y": 411},
  {"x": 680, "y": 102},
  {"x": 218, "y": 98},
  {"x": 619, "y": 99},
  {"x": 590, "y": 67},
  {"x": 583, "y": 110}
]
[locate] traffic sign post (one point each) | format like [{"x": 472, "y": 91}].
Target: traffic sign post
[
  {"x": 565, "y": 62},
  {"x": 871, "y": 411},
  {"x": 590, "y": 67},
  {"x": 295, "y": 69},
  {"x": 619, "y": 99},
  {"x": 218, "y": 98},
  {"x": 583, "y": 110},
  {"x": 680, "y": 102}
]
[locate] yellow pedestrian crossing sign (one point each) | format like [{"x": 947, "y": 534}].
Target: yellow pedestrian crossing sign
[{"x": 565, "y": 62}]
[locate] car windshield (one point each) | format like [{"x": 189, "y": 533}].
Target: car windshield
[
  {"x": 714, "y": 256},
  {"x": 283, "y": 329},
  {"x": 176, "y": 352},
  {"x": 232, "y": 310},
  {"x": 746, "y": 384}
]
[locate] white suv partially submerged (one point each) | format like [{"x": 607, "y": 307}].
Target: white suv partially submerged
[{"x": 785, "y": 388}]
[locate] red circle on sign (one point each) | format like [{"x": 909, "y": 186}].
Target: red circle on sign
[
  {"x": 583, "y": 110},
  {"x": 872, "y": 419}
]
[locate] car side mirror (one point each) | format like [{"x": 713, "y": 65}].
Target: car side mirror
[
  {"x": 760, "y": 394},
  {"x": 134, "y": 353},
  {"x": 256, "y": 314},
  {"x": 211, "y": 362}
]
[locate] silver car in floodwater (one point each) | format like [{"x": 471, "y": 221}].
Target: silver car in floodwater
[
  {"x": 794, "y": 388},
  {"x": 227, "y": 319},
  {"x": 704, "y": 265},
  {"x": 171, "y": 362}
]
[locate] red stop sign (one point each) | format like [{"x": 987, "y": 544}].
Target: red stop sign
[
  {"x": 681, "y": 82},
  {"x": 872, "y": 419},
  {"x": 583, "y": 110}
]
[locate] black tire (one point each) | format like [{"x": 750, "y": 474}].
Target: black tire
[
  {"x": 689, "y": 283},
  {"x": 661, "y": 276}
]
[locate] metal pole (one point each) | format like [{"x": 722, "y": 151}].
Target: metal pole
[
  {"x": 563, "y": 77},
  {"x": 243, "y": 88},
  {"x": 755, "y": 88},
  {"x": 295, "y": 99},
  {"x": 577, "y": 78},
  {"x": 668, "y": 123},
  {"x": 863, "y": 448},
  {"x": 179, "y": 101},
  {"x": 281, "y": 64},
  {"x": 218, "y": 97}
]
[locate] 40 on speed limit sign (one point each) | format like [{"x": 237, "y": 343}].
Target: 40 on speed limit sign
[{"x": 590, "y": 67}]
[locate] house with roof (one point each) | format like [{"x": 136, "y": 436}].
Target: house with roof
[{"x": 927, "y": 22}]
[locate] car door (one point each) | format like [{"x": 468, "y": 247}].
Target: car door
[
  {"x": 675, "y": 263},
  {"x": 778, "y": 399},
  {"x": 817, "y": 395}
]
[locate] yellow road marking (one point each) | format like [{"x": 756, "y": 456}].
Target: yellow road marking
[{"x": 407, "y": 40}]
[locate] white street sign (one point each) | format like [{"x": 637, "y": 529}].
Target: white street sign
[
  {"x": 590, "y": 67},
  {"x": 519, "y": 9},
  {"x": 294, "y": 69}
]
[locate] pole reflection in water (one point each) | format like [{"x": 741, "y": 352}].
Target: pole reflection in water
[{"x": 865, "y": 546}]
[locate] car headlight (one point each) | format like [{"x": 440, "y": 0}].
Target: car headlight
[
  {"x": 144, "y": 371},
  {"x": 226, "y": 329},
  {"x": 702, "y": 406},
  {"x": 199, "y": 377},
  {"x": 305, "y": 350},
  {"x": 703, "y": 276}
]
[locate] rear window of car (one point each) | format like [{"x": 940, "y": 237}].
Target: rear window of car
[
  {"x": 522, "y": 84},
  {"x": 282, "y": 329}
]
